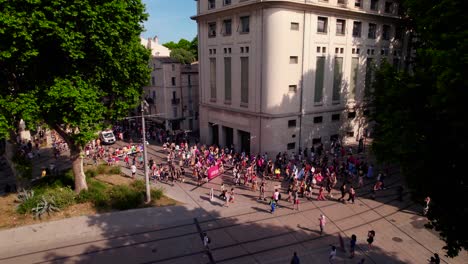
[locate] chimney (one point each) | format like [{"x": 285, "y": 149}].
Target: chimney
[
  {"x": 148, "y": 45},
  {"x": 156, "y": 40}
]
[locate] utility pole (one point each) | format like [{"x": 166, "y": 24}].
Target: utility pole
[{"x": 145, "y": 156}]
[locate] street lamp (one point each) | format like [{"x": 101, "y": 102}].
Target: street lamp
[
  {"x": 145, "y": 157},
  {"x": 144, "y": 104}
]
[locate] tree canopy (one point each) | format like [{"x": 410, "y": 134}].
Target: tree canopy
[
  {"x": 184, "y": 51},
  {"x": 420, "y": 115},
  {"x": 74, "y": 65}
]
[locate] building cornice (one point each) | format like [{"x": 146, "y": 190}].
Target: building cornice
[
  {"x": 283, "y": 115},
  {"x": 291, "y": 4}
]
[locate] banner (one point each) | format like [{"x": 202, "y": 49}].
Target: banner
[{"x": 213, "y": 172}]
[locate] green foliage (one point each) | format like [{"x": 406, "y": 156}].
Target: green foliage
[
  {"x": 101, "y": 169},
  {"x": 156, "y": 194},
  {"x": 25, "y": 195},
  {"x": 185, "y": 51},
  {"x": 183, "y": 56},
  {"x": 74, "y": 64},
  {"x": 62, "y": 197},
  {"x": 124, "y": 197},
  {"x": 23, "y": 166},
  {"x": 115, "y": 170},
  {"x": 419, "y": 116},
  {"x": 44, "y": 206},
  {"x": 59, "y": 181},
  {"x": 90, "y": 173}
]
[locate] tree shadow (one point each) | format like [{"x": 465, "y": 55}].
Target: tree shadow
[{"x": 173, "y": 235}]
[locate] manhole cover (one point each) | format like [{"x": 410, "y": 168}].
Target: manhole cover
[{"x": 397, "y": 239}]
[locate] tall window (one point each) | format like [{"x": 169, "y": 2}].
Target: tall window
[
  {"x": 153, "y": 82},
  {"x": 386, "y": 32},
  {"x": 340, "y": 26},
  {"x": 211, "y": 4},
  {"x": 226, "y": 2},
  {"x": 357, "y": 3},
  {"x": 337, "y": 78},
  {"x": 213, "y": 78},
  {"x": 212, "y": 30},
  {"x": 245, "y": 24},
  {"x": 227, "y": 79},
  {"x": 227, "y": 27},
  {"x": 322, "y": 25},
  {"x": 374, "y": 4},
  {"x": 372, "y": 31},
  {"x": 354, "y": 76},
  {"x": 389, "y": 7},
  {"x": 319, "y": 76},
  {"x": 368, "y": 83},
  {"x": 245, "y": 80},
  {"x": 173, "y": 81},
  {"x": 357, "y": 25}
]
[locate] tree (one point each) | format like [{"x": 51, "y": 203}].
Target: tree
[
  {"x": 74, "y": 65},
  {"x": 419, "y": 115},
  {"x": 182, "y": 55},
  {"x": 185, "y": 51}
]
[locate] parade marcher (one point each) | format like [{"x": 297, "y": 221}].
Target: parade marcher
[
  {"x": 352, "y": 194},
  {"x": 370, "y": 238},
  {"x": 427, "y": 201},
  {"x": 322, "y": 223},
  {"x": 352, "y": 245}
]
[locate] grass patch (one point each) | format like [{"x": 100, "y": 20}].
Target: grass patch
[
  {"x": 103, "y": 194},
  {"x": 114, "y": 170}
]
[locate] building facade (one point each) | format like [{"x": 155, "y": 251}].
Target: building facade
[
  {"x": 172, "y": 94},
  {"x": 280, "y": 75}
]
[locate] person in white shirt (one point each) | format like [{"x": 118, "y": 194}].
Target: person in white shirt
[{"x": 133, "y": 168}]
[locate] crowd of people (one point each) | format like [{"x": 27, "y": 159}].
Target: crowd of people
[{"x": 309, "y": 175}]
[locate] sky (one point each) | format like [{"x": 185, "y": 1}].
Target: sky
[{"x": 170, "y": 20}]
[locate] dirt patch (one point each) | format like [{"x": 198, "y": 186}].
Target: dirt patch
[
  {"x": 114, "y": 179},
  {"x": 10, "y": 219},
  {"x": 166, "y": 201}
]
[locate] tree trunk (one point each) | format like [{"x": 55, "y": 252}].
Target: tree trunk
[{"x": 76, "y": 156}]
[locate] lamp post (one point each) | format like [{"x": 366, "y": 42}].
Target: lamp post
[{"x": 145, "y": 156}]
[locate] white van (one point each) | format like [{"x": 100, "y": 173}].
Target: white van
[{"x": 107, "y": 137}]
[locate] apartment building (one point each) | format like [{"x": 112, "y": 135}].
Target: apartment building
[
  {"x": 280, "y": 75},
  {"x": 172, "y": 94}
]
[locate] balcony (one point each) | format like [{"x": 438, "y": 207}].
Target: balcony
[{"x": 175, "y": 101}]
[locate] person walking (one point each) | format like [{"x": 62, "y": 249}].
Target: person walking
[
  {"x": 262, "y": 191},
  {"x": 427, "y": 201},
  {"x": 295, "y": 259},
  {"x": 296, "y": 201},
  {"x": 343, "y": 192},
  {"x": 352, "y": 245},
  {"x": 352, "y": 194},
  {"x": 206, "y": 240},
  {"x": 320, "y": 196},
  {"x": 272, "y": 206},
  {"x": 322, "y": 223},
  {"x": 276, "y": 196},
  {"x": 370, "y": 238},
  {"x": 133, "y": 168},
  {"x": 332, "y": 255},
  {"x": 211, "y": 194}
]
